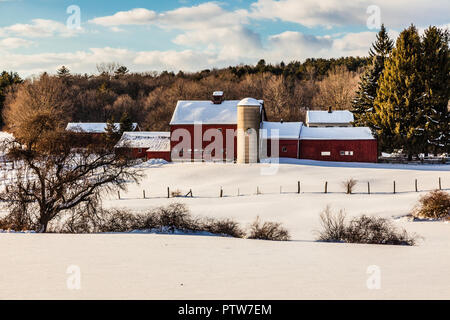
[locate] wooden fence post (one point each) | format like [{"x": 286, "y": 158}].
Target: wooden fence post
[
  {"x": 394, "y": 186},
  {"x": 440, "y": 186},
  {"x": 326, "y": 186},
  {"x": 298, "y": 187},
  {"x": 368, "y": 187},
  {"x": 168, "y": 192},
  {"x": 221, "y": 192},
  {"x": 415, "y": 183},
  {"x": 118, "y": 194},
  {"x": 143, "y": 193}
]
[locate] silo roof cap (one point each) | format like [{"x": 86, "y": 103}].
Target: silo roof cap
[{"x": 249, "y": 102}]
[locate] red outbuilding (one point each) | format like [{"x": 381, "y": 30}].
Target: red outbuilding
[
  {"x": 353, "y": 144},
  {"x": 284, "y": 134},
  {"x": 145, "y": 144}
]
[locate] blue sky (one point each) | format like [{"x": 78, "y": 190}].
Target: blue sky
[{"x": 193, "y": 35}]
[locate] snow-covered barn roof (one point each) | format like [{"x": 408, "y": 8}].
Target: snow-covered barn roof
[
  {"x": 92, "y": 127},
  {"x": 349, "y": 133},
  {"x": 206, "y": 112},
  {"x": 338, "y": 116},
  {"x": 286, "y": 130},
  {"x": 150, "y": 140}
]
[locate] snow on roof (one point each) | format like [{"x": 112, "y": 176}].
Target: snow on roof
[
  {"x": 218, "y": 93},
  {"x": 349, "y": 133},
  {"x": 188, "y": 112},
  {"x": 151, "y": 140},
  {"x": 249, "y": 102},
  {"x": 286, "y": 130},
  {"x": 338, "y": 116},
  {"x": 92, "y": 127}
]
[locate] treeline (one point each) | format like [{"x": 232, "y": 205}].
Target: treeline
[
  {"x": 150, "y": 98},
  {"x": 404, "y": 94}
]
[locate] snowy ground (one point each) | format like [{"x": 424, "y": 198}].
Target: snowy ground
[{"x": 147, "y": 266}]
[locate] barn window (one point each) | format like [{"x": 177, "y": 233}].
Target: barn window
[
  {"x": 140, "y": 150},
  {"x": 284, "y": 149},
  {"x": 342, "y": 153},
  {"x": 325, "y": 153}
]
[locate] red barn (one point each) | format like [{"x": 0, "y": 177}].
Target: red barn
[
  {"x": 353, "y": 144},
  {"x": 196, "y": 126}
]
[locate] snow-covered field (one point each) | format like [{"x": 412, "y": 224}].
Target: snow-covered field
[{"x": 148, "y": 266}]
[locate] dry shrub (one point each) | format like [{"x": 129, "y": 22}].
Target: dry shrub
[
  {"x": 268, "y": 231},
  {"x": 363, "y": 229},
  {"x": 176, "y": 193},
  {"x": 120, "y": 221},
  {"x": 224, "y": 227},
  {"x": 377, "y": 230},
  {"x": 333, "y": 226},
  {"x": 175, "y": 216},
  {"x": 349, "y": 185},
  {"x": 17, "y": 220},
  {"x": 433, "y": 205}
]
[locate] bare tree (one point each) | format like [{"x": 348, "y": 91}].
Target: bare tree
[
  {"x": 46, "y": 184},
  {"x": 337, "y": 89}
]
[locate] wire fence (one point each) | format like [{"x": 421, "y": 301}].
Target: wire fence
[{"x": 360, "y": 187}]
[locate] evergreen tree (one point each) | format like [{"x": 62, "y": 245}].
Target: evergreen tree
[
  {"x": 398, "y": 117},
  {"x": 63, "y": 71},
  {"x": 365, "y": 96},
  {"x": 125, "y": 123},
  {"x": 436, "y": 80},
  {"x": 121, "y": 71},
  {"x": 111, "y": 133}
]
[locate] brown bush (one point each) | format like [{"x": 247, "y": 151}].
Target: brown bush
[
  {"x": 17, "y": 220},
  {"x": 120, "y": 221},
  {"x": 363, "y": 229},
  {"x": 349, "y": 185},
  {"x": 224, "y": 227},
  {"x": 175, "y": 194},
  {"x": 268, "y": 231},
  {"x": 433, "y": 205},
  {"x": 333, "y": 226},
  {"x": 176, "y": 216}
]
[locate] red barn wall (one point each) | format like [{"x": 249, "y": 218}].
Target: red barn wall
[
  {"x": 363, "y": 150},
  {"x": 159, "y": 155},
  {"x": 190, "y": 129},
  {"x": 287, "y": 148}
]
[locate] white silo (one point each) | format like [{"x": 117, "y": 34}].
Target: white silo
[{"x": 248, "y": 123}]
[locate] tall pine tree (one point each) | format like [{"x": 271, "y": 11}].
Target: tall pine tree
[
  {"x": 111, "y": 133},
  {"x": 125, "y": 123},
  {"x": 362, "y": 105},
  {"x": 398, "y": 117},
  {"x": 436, "y": 80}
]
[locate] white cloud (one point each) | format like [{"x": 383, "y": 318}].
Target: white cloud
[
  {"x": 195, "y": 17},
  {"x": 39, "y": 28},
  {"x": 328, "y": 13},
  {"x": 14, "y": 43},
  {"x": 135, "y": 16}
]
